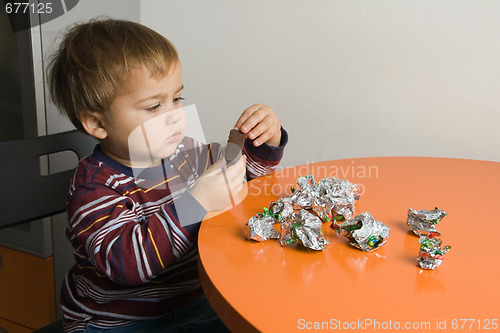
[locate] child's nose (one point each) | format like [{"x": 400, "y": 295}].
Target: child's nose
[{"x": 171, "y": 119}]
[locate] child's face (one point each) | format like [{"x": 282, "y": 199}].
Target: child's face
[{"x": 147, "y": 121}]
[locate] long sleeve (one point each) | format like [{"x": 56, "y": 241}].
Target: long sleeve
[
  {"x": 264, "y": 159},
  {"x": 120, "y": 237}
]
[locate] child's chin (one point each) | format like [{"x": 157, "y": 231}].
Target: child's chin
[{"x": 168, "y": 151}]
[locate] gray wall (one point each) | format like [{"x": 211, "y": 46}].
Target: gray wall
[{"x": 347, "y": 78}]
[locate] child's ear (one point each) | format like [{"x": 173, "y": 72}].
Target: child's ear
[{"x": 93, "y": 124}]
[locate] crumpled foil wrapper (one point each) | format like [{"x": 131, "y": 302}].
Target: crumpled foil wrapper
[
  {"x": 305, "y": 228},
  {"x": 323, "y": 206},
  {"x": 303, "y": 197},
  {"x": 327, "y": 198},
  {"x": 337, "y": 187},
  {"x": 260, "y": 228},
  {"x": 431, "y": 254},
  {"x": 363, "y": 232},
  {"x": 343, "y": 205},
  {"x": 287, "y": 233},
  {"x": 282, "y": 208},
  {"x": 422, "y": 222}
]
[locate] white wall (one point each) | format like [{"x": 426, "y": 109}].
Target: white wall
[{"x": 347, "y": 78}]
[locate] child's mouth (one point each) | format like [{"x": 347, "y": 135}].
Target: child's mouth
[{"x": 174, "y": 137}]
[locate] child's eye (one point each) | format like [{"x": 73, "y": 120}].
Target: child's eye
[
  {"x": 153, "y": 108},
  {"x": 178, "y": 99}
]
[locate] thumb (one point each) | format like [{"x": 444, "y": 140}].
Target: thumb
[{"x": 217, "y": 167}]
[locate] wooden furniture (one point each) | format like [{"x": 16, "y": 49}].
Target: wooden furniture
[
  {"x": 27, "y": 291},
  {"x": 268, "y": 288}
]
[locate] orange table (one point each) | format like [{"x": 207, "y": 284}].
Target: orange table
[{"x": 265, "y": 287}]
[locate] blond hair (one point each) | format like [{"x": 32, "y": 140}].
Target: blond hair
[{"x": 93, "y": 60}]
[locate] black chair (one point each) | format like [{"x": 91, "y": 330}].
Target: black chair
[{"x": 28, "y": 195}]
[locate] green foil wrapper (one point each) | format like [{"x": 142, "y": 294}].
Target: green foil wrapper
[{"x": 364, "y": 232}]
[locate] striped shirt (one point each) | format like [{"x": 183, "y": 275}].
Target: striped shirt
[{"x": 134, "y": 234}]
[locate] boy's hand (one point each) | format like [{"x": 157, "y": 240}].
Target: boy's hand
[
  {"x": 261, "y": 123},
  {"x": 211, "y": 189}
]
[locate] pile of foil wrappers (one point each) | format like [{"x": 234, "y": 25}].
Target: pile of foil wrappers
[
  {"x": 423, "y": 223},
  {"x": 299, "y": 217}
]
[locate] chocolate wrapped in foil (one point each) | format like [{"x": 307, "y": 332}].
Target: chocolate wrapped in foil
[
  {"x": 363, "y": 232},
  {"x": 261, "y": 228},
  {"x": 422, "y": 222},
  {"x": 431, "y": 254},
  {"x": 305, "y": 228}
]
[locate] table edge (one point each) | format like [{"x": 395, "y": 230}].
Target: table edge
[{"x": 229, "y": 316}]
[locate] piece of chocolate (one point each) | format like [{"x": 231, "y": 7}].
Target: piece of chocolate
[
  {"x": 234, "y": 147},
  {"x": 430, "y": 255},
  {"x": 422, "y": 222},
  {"x": 363, "y": 232}
]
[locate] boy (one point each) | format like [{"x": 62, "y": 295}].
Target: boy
[{"x": 134, "y": 233}]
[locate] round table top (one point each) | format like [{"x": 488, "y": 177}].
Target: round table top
[{"x": 269, "y": 288}]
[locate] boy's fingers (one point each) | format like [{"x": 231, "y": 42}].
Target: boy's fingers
[
  {"x": 237, "y": 171},
  {"x": 254, "y": 120},
  {"x": 237, "y": 184},
  {"x": 247, "y": 119},
  {"x": 264, "y": 137},
  {"x": 216, "y": 168},
  {"x": 243, "y": 169},
  {"x": 241, "y": 120},
  {"x": 263, "y": 126},
  {"x": 233, "y": 177},
  {"x": 264, "y": 130}
]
